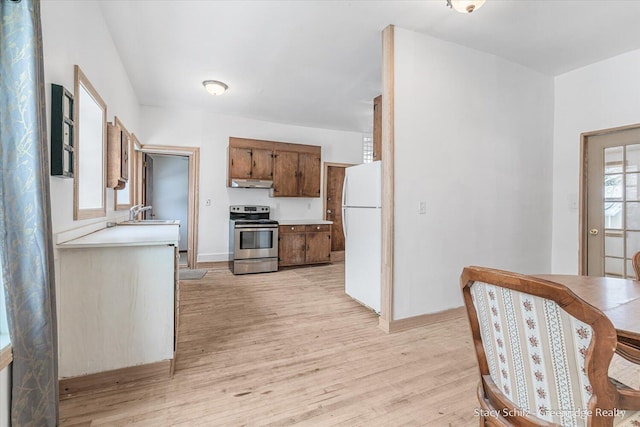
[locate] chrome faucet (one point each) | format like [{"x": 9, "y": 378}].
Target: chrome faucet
[{"x": 135, "y": 210}]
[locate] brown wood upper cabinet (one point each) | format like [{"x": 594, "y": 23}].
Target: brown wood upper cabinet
[
  {"x": 250, "y": 163},
  {"x": 294, "y": 168},
  {"x": 377, "y": 128},
  {"x": 118, "y": 142},
  {"x": 296, "y": 174}
]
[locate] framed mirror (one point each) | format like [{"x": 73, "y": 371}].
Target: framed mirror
[{"x": 90, "y": 143}]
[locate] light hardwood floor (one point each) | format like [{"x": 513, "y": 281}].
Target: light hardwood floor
[{"x": 291, "y": 348}]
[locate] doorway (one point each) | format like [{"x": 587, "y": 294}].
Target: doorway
[
  {"x": 610, "y": 202},
  {"x": 167, "y": 190},
  {"x": 333, "y": 182},
  {"x": 146, "y": 159}
]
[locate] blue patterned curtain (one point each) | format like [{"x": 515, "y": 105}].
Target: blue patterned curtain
[{"x": 26, "y": 248}]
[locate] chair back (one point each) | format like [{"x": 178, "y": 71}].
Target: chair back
[{"x": 543, "y": 352}]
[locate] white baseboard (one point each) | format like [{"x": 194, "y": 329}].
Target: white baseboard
[
  {"x": 219, "y": 257},
  {"x": 400, "y": 325}
]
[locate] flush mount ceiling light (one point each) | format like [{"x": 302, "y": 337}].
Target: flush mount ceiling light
[
  {"x": 465, "y": 6},
  {"x": 215, "y": 87}
]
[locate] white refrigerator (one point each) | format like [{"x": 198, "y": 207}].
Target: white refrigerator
[{"x": 362, "y": 223}]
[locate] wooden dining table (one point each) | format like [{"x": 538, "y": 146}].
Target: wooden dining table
[{"x": 618, "y": 299}]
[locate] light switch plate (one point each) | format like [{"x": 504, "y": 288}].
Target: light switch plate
[{"x": 422, "y": 208}]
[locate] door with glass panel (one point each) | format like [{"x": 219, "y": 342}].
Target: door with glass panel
[{"x": 612, "y": 226}]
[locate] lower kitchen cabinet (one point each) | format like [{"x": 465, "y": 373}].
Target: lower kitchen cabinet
[
  {"x": 304, "y": 244},
  {"x": 118, "y": 306}
]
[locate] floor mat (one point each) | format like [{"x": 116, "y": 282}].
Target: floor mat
[{"x": 187, "y": 274}]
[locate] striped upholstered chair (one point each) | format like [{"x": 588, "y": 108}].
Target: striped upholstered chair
[{"x": 543, "y": 354}]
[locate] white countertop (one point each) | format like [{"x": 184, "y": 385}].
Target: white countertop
[
  {"x": 304, "y": 222},
  {"x": 129, "y": 235}
]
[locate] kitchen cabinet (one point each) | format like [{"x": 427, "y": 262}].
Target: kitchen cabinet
[
  {"x": 318, "y": 244},
  {"x": 285, "y": 166},
  {"x": 117, "y": 303},
  {"x": 377, "y": 128},
  {"x": 250, "y": 163},
  {"x": 118, "y": 142},
  {"x": 304, "y": 244},
  {"x": 292, "y": 245},
  {"x": 291, "y": 170},
  {"x": 309, "y": 174},
  {"x": 297, "y": 174}
]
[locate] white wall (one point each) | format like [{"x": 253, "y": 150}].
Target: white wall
[
  {"x": 171, "y": 191},
  {"x": 74, "y": 32},
  {"x": 599, "y": 96},
  {"x": 473, "y": 139},
  {"x": 211, "y": 132}
]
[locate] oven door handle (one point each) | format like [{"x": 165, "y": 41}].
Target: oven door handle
[{"x": 254, "y": 228}]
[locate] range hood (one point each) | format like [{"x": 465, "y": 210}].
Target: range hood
[{"x": 251, "y": 183}]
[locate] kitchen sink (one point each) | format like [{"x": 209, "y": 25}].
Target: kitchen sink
[{"x": 150, "y": 222}]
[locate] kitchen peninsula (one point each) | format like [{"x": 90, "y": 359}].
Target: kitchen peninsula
[{"x": 117, "y": 291}]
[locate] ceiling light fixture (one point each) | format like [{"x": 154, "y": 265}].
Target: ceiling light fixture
[
  {"x": 465, "y": 6},
  {"x": 214, "y": 87}
]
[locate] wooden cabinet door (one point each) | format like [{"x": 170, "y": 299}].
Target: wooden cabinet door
[
  {"x": 291, "y": 249},
  {"x": 377, "y": 128},
  {"x": 309, "y": 167},
  {"x": 262, "y": 167},
  {"x": 124, "y": 156},
  {"x": 333, "y": 204},
  {"x": 285, "y": 174},
  {"x": 318, "y": 247},
  {"x": 239, "y": 163}
]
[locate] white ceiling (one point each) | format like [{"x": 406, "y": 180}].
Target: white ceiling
[{"x": 317, "y": 63}]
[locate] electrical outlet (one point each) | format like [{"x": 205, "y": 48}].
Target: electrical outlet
[
  {"x": 422, "y": 208},
  {"x": 208, "y": 202}
]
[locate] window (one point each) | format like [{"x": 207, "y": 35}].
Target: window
[{"x": 367, "y": 149}]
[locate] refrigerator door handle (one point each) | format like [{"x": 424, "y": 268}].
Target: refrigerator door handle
[
  {"x": 344, "y": 191},
  {"x": 344, "y": 209},
  {"x": 344, "y": 222}
]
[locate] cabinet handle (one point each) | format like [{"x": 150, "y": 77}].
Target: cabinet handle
[
  {"x": 318, "y": 228},
  {"x": 293, "y": 228}
]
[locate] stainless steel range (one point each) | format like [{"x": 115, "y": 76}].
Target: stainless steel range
[{"x": 253, "y": 240}]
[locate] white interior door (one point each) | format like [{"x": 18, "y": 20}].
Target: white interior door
[{"x": 612, "y": 233}]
